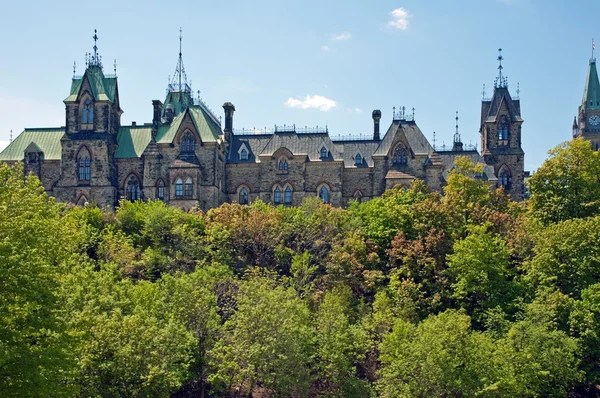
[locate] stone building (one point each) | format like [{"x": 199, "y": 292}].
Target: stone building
[{"x": 186, "y": 158}]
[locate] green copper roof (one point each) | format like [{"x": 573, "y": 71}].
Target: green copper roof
[
  {"x": 179, "y": 100},
  {"x": 46, "y": 139},
  {"x": 103, "y": 88},
  {"x": 208, "y": 130},
  {"x": 132, "y": 141},
  {"x": 591, "y": 93}
]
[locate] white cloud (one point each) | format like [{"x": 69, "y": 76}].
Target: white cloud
[
  {"x": 3, "y": 144},
  {"x": 311, "y": 102},
  {"x": 324, "y": 48},
  {"x": 400, "y": 18},
  {"x": 357, "y": 110},
  {"x": 341, "y": 36}
]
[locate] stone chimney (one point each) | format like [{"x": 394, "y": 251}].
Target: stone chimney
[
  {"x": 376, "y": 119},
  {"x": 156, "y": 116},
  {"x": 228, "y": 130},
  {"x": 169, "y": 114}
]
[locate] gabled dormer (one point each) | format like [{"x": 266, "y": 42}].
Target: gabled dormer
[{"x": 93, "y": 102}]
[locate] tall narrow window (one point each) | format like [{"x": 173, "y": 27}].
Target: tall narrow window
[
  {"x": 400, "y": 156},
  {"x": 503, "y": 130},
  {"x": 283, "y": 164},
  {"x": 277, "y": 196},
  {"x": 133, "y": 189},
  {"x": 84, "y": 168},
  {"x": 189, "y": 188},
  {"x": 243, "y": 196},
  {"x": 287, "y": 196},
  {"x": 324, "y": 195},
  {"x": 324, "y": 153},
  {"x": 504, "y": 179},
  {"x": 87, "y": 116},
  {"x": 160, "y": 190},
  {"x": 179, "y": 188},
  {"x": 244, "y": 154}
]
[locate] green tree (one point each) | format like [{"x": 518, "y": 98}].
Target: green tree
[
  {"x": 566, "y": 185},
  {"x": 268, "y": 340},
  {"x": 35, "y": 355},
  {"x": 440, "y": 356}
]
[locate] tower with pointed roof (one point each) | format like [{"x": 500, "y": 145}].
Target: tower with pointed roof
[
  {"x": 589, "y": 110},
  {"x": 500, "y": 131},
  {"x": 89, "y": 169}
]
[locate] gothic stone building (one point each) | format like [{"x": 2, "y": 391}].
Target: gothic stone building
[{"x": 187, "y": 159}]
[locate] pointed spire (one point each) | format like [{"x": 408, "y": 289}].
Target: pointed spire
[
  {"x": 591, "y": 92},
  {"x": 179, "y": 81},
  {"x": 94, "y": 59},
  {"x": 456, "y": 133},
  {"x": 501, "y": 81}
]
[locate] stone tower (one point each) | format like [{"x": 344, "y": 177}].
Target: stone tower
[
  {"x": 93, "y": 118},
  {"x": 500, "y": 131},
  {"x": 589, "y": 110}
]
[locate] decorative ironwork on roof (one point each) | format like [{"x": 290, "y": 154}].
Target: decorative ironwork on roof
[
  {"x": 448, "y": 148},
  {"x": 94, "y": 59},
  {"x": 400, "y": 114},
  {"x": 179, "y": 81},
  {"x": 285, "y": 128},
  {"x": 501, "y": 81}
]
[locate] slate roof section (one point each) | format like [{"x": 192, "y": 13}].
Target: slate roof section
[
  {"x": 302, "y": 144},
  {"x": 207, "y": 128},
  {"x": 103, "y": 88},
  {"x": 490, "y": 109},
  {"x": 255, "y": 144},
  {"x": 416, "y": 139},
  {"x": 46, "y": 139},
  {"x": 448, "y": 158},
  {"x": 349, "y": 149}
]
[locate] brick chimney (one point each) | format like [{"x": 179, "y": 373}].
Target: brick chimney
[
  {"x": 228, "y": 130},
  {"x": 376, "y": 119}
]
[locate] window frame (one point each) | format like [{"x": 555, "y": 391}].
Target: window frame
[
  {"x": 160, "y": 189},
  {"x": 288, "y": 197},
  {"x": 133, "y": 188},
  {"x": 179, "y": 188},
  {"x": 188, "y": 188},
  {"x": 277, "y": 195},
  {"x": 245, "y": 195}
]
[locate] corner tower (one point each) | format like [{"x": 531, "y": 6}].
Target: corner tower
[
  {"x": 500, "y": 131},
  {"x": 589, "y": 110}
]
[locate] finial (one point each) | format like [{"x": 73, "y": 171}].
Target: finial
[
  {"x": 593, "y": 47},
  {"x": 501, "y": 81},
  {"x": 115, "y": 67},
  {"x": 95, "y": 43},
  {"x": 393, "y": 112},
  {"x": 518, "y": 90},
  {"x": 434, "y": 140},
  {"x": 483, "y": 93},
  {"x": 74, "y": 67},
  {"x": 413, "y": 113},
  {"x": 86, "y": 60},
  {"x": 456, "y": 133},
  {"x": 10, "y": 135}
]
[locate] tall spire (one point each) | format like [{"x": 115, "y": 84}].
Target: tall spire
[
  {"x": 94, "y": 59},
  {"x": 179, "y": 81},
  {"x": 500, "y": 81},
  {"x": 456, "y": 133},
  {"x": 591, "y": 92}
]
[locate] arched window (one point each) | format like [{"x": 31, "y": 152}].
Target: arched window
[
  {"x": 243, "y": 154},
  {"x": 504, "y": 179},
  {"x": 87, "y": 116},
  {"x": 503, "y": 130},
  {"x": 84, "y": 165},
  {"x": 189, "y": 187},
  {"x": 179, "y": 188},
  {"x": 277, "y": 196},
  {"x": 283, "y": 164},
  {"x": 160, "y": 190},
  {"x": 324, "y": 194},
  {"x": 287, "y": 196},
  {"x": 358, "y": 159},
  {"x": 188, "y": 144},
  {"x": 400, "y": 156},
  {"x": 243, "y": 196},
  {"x": 324, "y": 153},
  {"x": 358, "y": 196},
  {"x": 133, "y": 188}
]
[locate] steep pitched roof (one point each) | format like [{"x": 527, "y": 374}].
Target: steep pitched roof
[
  {"x": 416, "y": 139},
  {"x": 132, "y": 141},
  {"x": 208, "y": 129},
  {"x": 349, "y": 149},
  {"x": 501, "y": 98},
  {"x": 302, "y": 144},
  {"x": 591, "y": 92},
  {"x": 46, "y": 139},
  {"x": 103, "y": 88},
  {"x": 255, "y": 144}
]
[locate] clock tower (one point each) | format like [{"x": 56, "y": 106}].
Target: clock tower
[{"x": 588, "y": 125}]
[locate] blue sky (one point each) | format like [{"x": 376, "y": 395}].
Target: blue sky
[{"x": 309, "y": 62}]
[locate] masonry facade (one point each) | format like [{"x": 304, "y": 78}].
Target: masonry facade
[{"x": 186, "y": 158}]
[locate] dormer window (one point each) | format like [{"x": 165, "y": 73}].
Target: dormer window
[
  {"x": 188, "y": 144},
  {"x": 243, "y": 154},
  {"x": 324, "y": 153},
  {"x": 503, "y": 130},
  {"x": 87, "y": 116},
  {"x": 358, "y": 159},
  {"x": 32, "y": 157}
]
